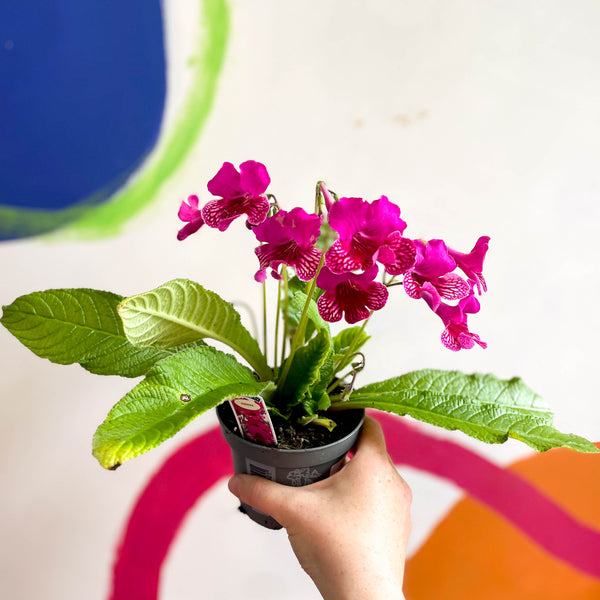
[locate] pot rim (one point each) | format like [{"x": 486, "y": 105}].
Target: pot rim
[{"x": 292, "y": 451}]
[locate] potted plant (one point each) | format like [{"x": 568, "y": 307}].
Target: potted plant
[{"x": 338, "y": 263}]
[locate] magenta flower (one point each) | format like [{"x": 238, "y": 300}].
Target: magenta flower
[
  {"x": 368, "y": 233},
  {"x": 290, "y": 240},
  {"x": 242, "y": 193},
  {"x": 433, "y": 268},
  {"x": 350, "y": 295},
  {"x": 456, "y": 335},
  {"x": 192, "y": 215},
  {"x": 472, "y": 263}
]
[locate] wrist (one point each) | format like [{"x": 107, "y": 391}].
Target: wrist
[{"x": 361, "y": 586}]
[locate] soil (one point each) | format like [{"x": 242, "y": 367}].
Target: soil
[{"x": 292, "y": 436}]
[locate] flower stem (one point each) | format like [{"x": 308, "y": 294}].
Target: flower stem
[
  {"x": 286, "y": 305},
  {"x": 298, "y": 338},
  {"x": 354, "y": 371},
  {"x": 264, "y": 294},
  {"x": 318, "y": 196},
  {"x": 277, "y": 314},
  {"x": 352, "y": 345}
]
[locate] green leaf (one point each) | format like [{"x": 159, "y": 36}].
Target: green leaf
[
  {"x": 317, "y": 398},
  {"x": 482, "y": 406},
  {"x": 305, "y": 369},
  {"x": 181, "y": 311},
  {"x": 296, "y": 298},
  {"x": 82, "y": 326},
  {"x": 346, "y": 343},
  {"x": 295, "y": 284},
  {"x": 174, "y": 392},
  {"x": 299, "y": 300}
]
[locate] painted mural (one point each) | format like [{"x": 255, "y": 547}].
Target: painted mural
[
  {"x": 479, "y": 114},
  {"x": 84, "y": 90},
  {"x": 516, "y": 534}
]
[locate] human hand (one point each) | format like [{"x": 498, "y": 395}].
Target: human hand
[{"x": 350, "y": 531}]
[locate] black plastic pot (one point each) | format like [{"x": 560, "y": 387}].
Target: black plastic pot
[{"x": 289, "y": 467}]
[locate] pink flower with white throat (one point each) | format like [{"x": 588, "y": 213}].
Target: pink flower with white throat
[
  {"x": 242, "y": 193},
  {"x": 369, "y": 232},
  {"x": 349, "y": 295},
  {"x": 290, "y": 239}
]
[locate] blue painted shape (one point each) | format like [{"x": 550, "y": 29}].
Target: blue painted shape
[{"x": 82, "y": 93}]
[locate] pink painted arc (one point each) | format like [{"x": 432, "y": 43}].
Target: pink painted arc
[
  {"x": 160, "y": 510},
  {"x": 171, "y": 493}
]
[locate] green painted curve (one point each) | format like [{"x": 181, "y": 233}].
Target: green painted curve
[{"x": 87, "y": 220}]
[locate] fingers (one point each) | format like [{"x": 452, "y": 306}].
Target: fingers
[
  {"x": 371, "y": 452},
  {"x": 288, "y": 504},
  {"x": 262, "y": 494},
  {"x": 371, "y": 439}
]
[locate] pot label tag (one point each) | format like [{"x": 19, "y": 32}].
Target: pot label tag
[{"x": 253, "y": 420}]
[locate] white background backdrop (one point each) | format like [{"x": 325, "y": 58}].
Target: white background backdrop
[{"x": 477, "y": 118}]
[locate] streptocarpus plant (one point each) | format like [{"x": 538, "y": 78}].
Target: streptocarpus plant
[{"x": 340, "y": 262}]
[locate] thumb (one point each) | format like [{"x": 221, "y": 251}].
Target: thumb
[{"x": 262, "y": 494}]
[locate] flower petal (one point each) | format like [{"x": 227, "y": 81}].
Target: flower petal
[
  {"x": 353, "y": 295},
  {"x": 356, "y": 313},
  {"x": 385, "y": 216},
  {"x": 457, "y": 337},
  {"x": 296, "y": 225},
  {"x": 307, "y": 263},
  {"x": 411, "y": 287},
  {"x": 189, "y": 228},
  {"x": 254, "y": 179},
  {"x": 452, "y": 287},
  {"x": 226, "y": 183},
  {"x": 472, "y": 263},
  {"x": 189, "y": 211},
  {"x": 368, "y": 232},
  {"x": 403, "y": 251},
  {"x": 328, "y": 308},
  {"x": 431, "y": 296},
  {"x": 433, "y": 259},
  {"x": 220, "y": 213},
  {"x": 377, "y": 295},
  {"x": 339, "y": 260},
  {"x": 257, "y": 210},
  {"x": 450, "y": 341},
  {"x": 346, "y": 216},
  {"x": 260, "y": 275}
]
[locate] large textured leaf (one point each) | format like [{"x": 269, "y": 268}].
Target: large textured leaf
[
  {"x": 305, "y": 369},
  {"x": 174, "y": 392},
  {"x": 181, "y": 311},
  {"x": 482, "y": 406},
  {"x": 78, "y": 326}
]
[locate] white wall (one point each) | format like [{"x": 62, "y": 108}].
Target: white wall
[{"x": 478, "y": 118}]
